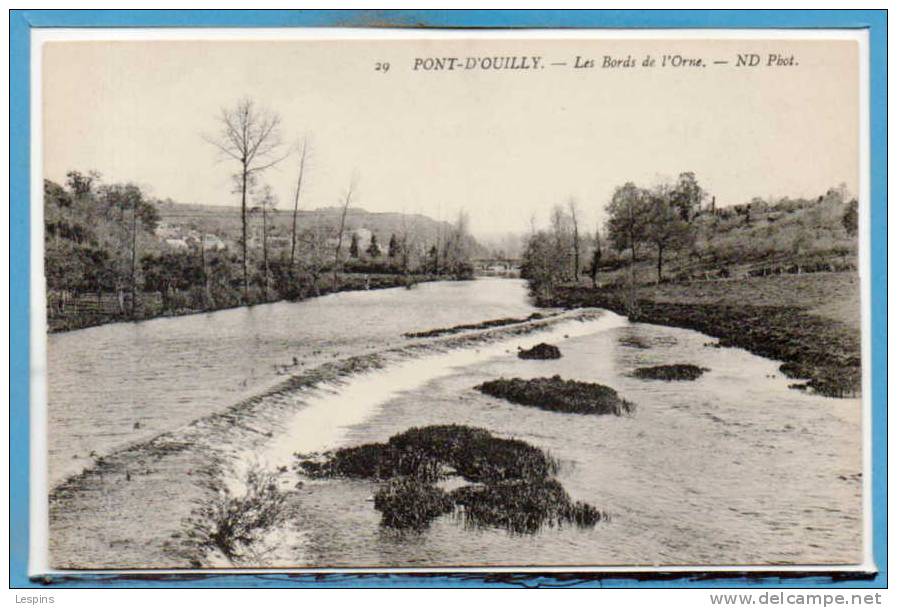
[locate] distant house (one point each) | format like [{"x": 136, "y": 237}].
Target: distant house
[
  {"x": 167, "y": 231},
  {"x": 212, "y": 242},
  {"x": 177, "y": 243},
  {"x": 362, "y": 234}
]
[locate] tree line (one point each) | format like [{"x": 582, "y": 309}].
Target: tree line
[
  {"x": 100, "y": 238},
  {"x": 660, "y": 218},
  {"x": 678, "y": 216}
]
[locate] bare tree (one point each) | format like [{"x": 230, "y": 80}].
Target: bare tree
[
  {"x": 347, "y": 201},
  {"x": 405, "y": 243},
  {"x": 302, "y": 158},
  {"x": 571, "y": 205},
  {"x": 250, "y": 136}
]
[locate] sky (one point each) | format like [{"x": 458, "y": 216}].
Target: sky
[{"x": 505, "y": 146}]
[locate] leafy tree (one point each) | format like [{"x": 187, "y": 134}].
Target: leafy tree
[
  {"x": 629, "y": 211},
  {"x": 169, "y": 272},
  {"x": 129, "y": 201},
  {"x": 457, "y": 248},
  {"x": 850, "y": 219},
  {"x": 686, "y": 196},
  {"x": 666, "y": 225},
  {"x": 81, "y": 184},
  {"x": 353, "y": 247},
  {"x": 540, "y": 263}
]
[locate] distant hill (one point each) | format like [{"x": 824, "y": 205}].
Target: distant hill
[{"x": 224, "y": 221}]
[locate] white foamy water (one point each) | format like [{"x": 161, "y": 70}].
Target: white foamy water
[{"x": 330, "y": 412}]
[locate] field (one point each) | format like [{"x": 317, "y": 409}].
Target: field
[{"x": 832, "y": 295}]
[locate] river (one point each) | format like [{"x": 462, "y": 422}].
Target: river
[{"x": 734, "y": 468}]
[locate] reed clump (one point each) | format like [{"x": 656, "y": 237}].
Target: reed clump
[
  {"x": 435, "y": 452},
  {"x": 541, "y": 351},
  {"x": 558, "y": 395},
  {"x": 523, "y": 506},
  {"x": 669, "y": 373},
  {"x": 407, "y": 503}
]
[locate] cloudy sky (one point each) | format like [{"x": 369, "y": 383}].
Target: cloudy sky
[{"x": 504, "y": 145}]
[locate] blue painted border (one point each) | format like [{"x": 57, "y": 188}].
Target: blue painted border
[{"x": 22, "y": 21}]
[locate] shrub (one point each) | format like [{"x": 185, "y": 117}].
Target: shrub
[{"x": 231, "y": 523}]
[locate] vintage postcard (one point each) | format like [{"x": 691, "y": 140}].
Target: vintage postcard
[{"x": 451, "y": 300}]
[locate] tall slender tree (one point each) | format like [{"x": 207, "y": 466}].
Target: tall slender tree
[
  {"x": 303, "y": 156},
  {"x": 572, "y": 206},
  {"x": 347, "y": 202},
  {"x": 374, "y": 247},
  {"x": 265, "y": 204},
  {"x": 250, "y": 136},
  {"x": 393, "y": 250},
  {"x": 596, "y": 258}
]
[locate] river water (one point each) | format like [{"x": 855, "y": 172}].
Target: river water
[
  {"x": 116, "y": 384},
  {"x": 734, "y": 468}
]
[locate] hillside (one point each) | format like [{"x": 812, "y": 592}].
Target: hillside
[
  {"x": 224, "y": 221},
  {"x": 756, "y": 239}
]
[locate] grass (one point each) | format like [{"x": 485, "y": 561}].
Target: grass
[
  {"x": 540, "y": 351},
  {"x": 558, "y": 395},
  {"x": 511, "y": 482},
  {"x": 678, "y": 371}
]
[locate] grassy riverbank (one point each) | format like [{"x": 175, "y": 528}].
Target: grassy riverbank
[{"x": 810, "y": 322}]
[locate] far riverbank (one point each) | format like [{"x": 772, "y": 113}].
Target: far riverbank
[{"x": 91, "y": 312}]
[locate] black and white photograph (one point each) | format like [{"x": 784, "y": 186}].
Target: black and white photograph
[{"x": 451, "y": 300}]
